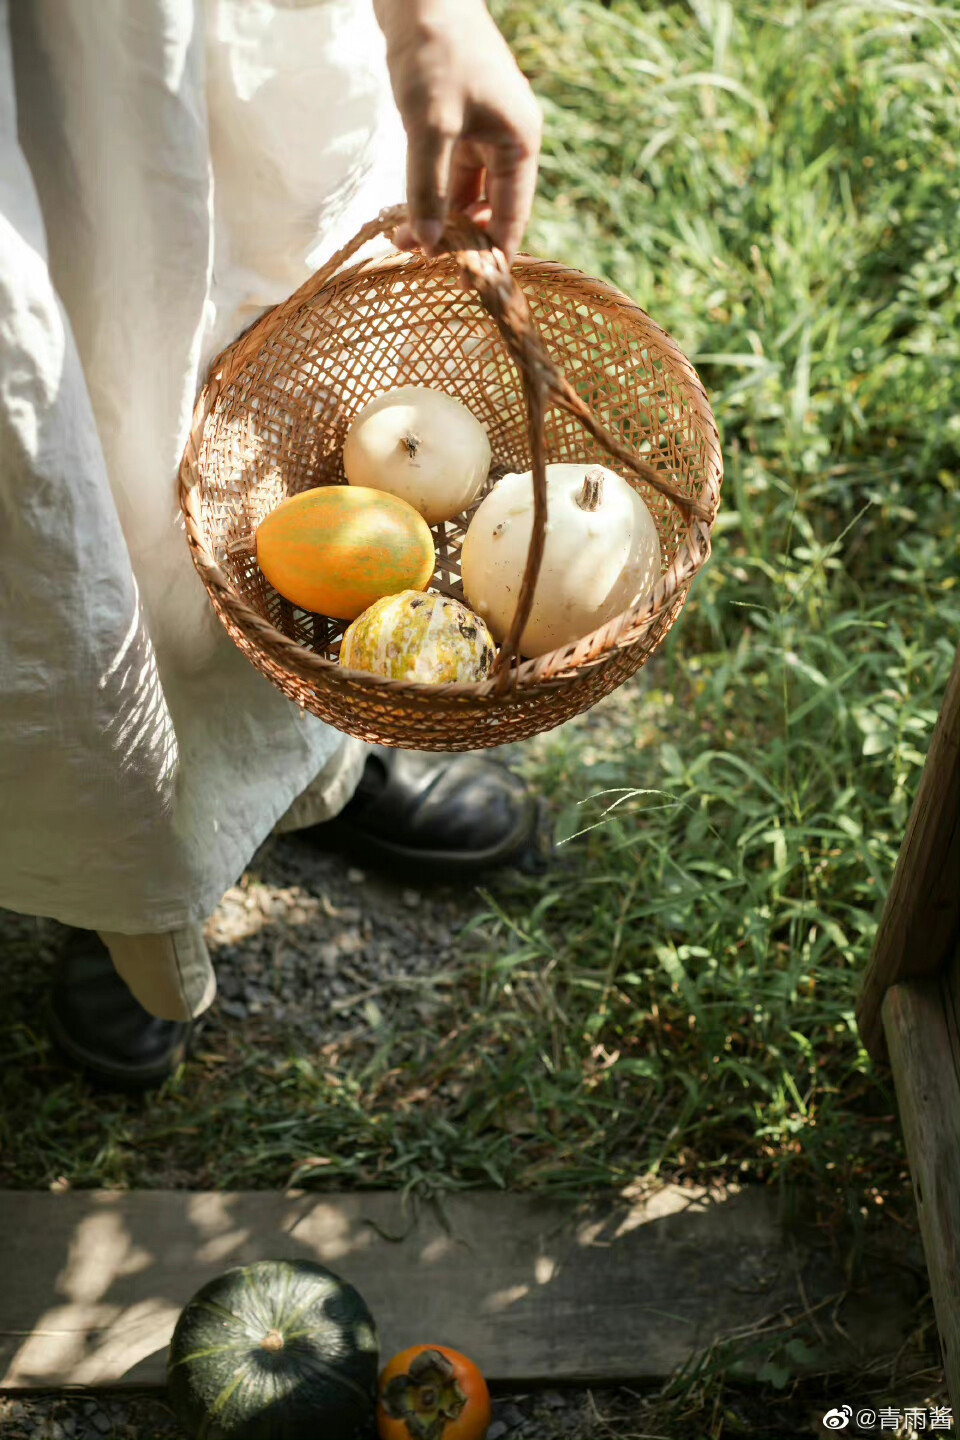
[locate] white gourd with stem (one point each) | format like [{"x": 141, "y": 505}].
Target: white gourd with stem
[
  {"x": 422, "y": 445},
  {"x": 601, "y": 553}
]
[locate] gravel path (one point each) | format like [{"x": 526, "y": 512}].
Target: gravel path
[
  {"x": 318, "y": 943},
  {"x": 111, "y": 1415}
]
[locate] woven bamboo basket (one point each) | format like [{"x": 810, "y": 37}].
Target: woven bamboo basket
[{"x": 557, "y": 366}]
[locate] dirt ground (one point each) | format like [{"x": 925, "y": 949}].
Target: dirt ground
[{"x": 115, "y": 1415}]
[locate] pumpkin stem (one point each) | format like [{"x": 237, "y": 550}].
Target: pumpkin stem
[
  {"x": 272, "y": 1341},
  {"x": 592, "y": 493},
  {"x": 410, "y": 443}
]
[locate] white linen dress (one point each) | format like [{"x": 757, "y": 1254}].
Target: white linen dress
[{"x": 168, "y": 169}]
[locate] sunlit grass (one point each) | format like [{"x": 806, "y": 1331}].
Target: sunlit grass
[{"x": 778, "y": 186}]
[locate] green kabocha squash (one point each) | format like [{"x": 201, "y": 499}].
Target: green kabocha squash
[{"x": 277, "y": 1350}]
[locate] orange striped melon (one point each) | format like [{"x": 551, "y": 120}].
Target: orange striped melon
[{"x": 338, "y": 548}]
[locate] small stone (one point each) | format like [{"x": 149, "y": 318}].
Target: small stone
[
  {"x": 554, "y": 1399},
  {"x": 234, "y": 1009},
  {"x": 355, "y": 876},
  {"x": 496, "y": 1430},
  {"x": 511, "y": 1415},
  {"x": 411, "y": 898}
]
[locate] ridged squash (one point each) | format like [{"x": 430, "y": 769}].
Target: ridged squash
[
  {"x": 432, "y": 639},
  {"x": 276, "y": 1350},
  {"x": 338, "y": 548}
]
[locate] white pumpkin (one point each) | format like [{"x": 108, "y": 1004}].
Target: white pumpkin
[
  {"x": 601, "y": 553},
  {"x": 422, "y": 445}
]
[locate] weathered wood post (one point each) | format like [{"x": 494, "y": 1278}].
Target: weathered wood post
[{"x": 909, "y": 1013}]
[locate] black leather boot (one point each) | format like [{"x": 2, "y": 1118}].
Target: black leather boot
[
  {"x": 441, "y": 813},
  {"x": 98, "y": 1025}
]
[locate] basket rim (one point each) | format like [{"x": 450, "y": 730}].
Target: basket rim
[{"x": 692, "y": 553}]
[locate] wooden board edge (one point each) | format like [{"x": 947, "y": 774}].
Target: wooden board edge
[
  {"x": 951, "y": 1000},
  {"x": 921, "y": 917},
  {"x": 606, "y": 1291},
  {"x": 920, "y": 1040}
]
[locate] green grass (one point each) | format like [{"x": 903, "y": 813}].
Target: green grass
[{"x": 778, "y": 186}]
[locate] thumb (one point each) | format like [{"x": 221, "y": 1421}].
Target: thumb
[{"x": 429, "y": 155}]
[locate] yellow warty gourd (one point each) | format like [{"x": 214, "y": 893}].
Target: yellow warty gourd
[{"x": 432, "y": 639}]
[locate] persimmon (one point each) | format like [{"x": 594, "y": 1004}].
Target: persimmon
[{"x": 430, "y": 1392}]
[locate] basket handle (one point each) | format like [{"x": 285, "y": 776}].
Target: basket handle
[{"x": 544, "y": 384}]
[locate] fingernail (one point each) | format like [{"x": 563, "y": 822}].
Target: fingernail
[
  {"x": 404, "y": 238},
  {"x": 428, "y": 232}
]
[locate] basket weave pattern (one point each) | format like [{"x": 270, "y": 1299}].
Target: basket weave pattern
[{"x": 273, "y": 416}]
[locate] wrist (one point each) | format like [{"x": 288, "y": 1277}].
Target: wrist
[{"x": 401, "y": 19}]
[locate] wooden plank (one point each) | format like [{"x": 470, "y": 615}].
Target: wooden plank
[
  {"x": 921, "y": 917},
  {"x": 533, "y": 1289},
  {"x": 950, "y": 984},
  {"x": 925, "y": 1072}
]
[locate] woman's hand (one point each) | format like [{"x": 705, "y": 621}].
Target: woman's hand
[{"x": 473, "y": 125}]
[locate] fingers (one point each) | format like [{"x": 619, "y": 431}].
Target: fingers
[
  {"x": 479, "y": 212},
  {"x": 466, "y": 176},
  {"x": 404, "y": 238},
  {"x": 464, "y": 185},
  {"x": 511, "y": 150},
  {"x": 473, "y": 125},
  {"x": 430, "y": 145},
  {"x": 512, "y": 164},
  {"x": 445, "y": 175}
]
